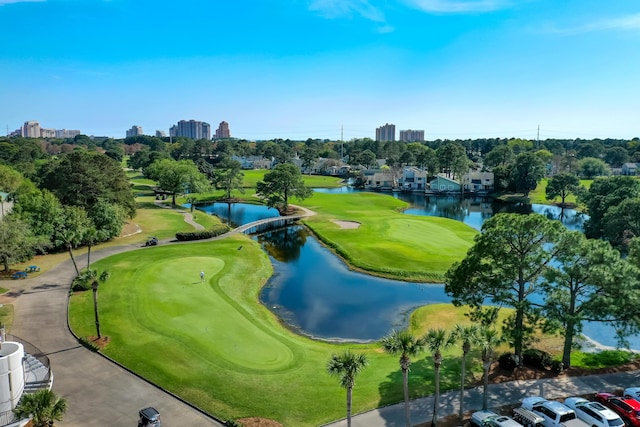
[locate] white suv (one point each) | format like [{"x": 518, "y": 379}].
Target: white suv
[
  {"x": 594, "y": 413},
  {"x": 555, "y": 414}
]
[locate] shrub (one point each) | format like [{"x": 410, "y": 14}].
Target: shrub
[
  {"x": 508, "y": 361},
  {"x": 214, "y": 231},
  {"x": 557, "y": 366},
  {"x": 79, "y": 285},
  {"x": 536, "y": 358},
  {"x": 232, "y": 423}
]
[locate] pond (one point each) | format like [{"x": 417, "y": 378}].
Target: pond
[{"x": 315, "y": 293}]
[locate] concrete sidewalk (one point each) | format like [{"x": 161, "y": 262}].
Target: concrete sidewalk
[{"x": 499, "y": 395}]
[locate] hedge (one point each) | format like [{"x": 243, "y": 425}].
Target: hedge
[{"x": 214, "y": 231}]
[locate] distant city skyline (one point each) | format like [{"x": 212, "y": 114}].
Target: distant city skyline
[{"x": 326, "y": 68}]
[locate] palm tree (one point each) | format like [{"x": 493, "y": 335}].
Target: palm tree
[
  {"x": 488, "y": 341},
  {"x": 406, "y": 345},
  {"x": 468, "y": 335},
  {"x": 437, "y": 340},
  {"x": 92, "y": 279},
  {"x": 347, "y": 365},
  {"x": 43, "y": 406}
]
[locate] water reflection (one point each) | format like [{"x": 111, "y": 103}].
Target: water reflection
[
  {"x": 284, "y": 244},
  {"x": 316, "y": 294},
  {"x": 237, "y": 214}
]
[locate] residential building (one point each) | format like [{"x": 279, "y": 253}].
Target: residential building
[
  {"x": 442, "y": 184},
  {"x": 161, "y": 134},
  {"x": 64, "y": 133},
  {"x": 630, "y": 169},
  {"x": 411, "y": 135},
  {"x": 31, "y": 129},
  {"x": 413, "y": 179},
  {"x": 478, "y": 182},
  {"x": 223, "y": 131},
  {"x": 6, "y": 204},
  {"x": 47, "y": 133},
  {"x": 382, "y": 180},
  {"x": 386, "y": 133},
  {"x": 134, "y": 131},
  {"x": 191, "y": 129}
]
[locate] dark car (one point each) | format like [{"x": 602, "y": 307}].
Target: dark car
[
  {"x": 149, "y": 417},
  {"x": 628, "y": 409},
  {"x": 152, "y": 241}
]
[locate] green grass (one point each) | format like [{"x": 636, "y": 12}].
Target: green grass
[
  {"x": 539, "y": 194},
  {"x": 251, "y": 178},
  {"x": 388, "y": 243},
  {"x": 214, "y": 345}
]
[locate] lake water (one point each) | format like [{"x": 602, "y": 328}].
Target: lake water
[{"x": 314, "y": 292}]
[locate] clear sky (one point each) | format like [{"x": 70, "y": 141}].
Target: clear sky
[{"x": 305, "y": 68}]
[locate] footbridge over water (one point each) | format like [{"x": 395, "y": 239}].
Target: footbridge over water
[{"x": 269, "y": 224}]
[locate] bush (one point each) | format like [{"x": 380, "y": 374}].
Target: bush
[
  {"x": 80, "y": 285},
  {"x": 214, "y": 231},
  {"x": 536, "y": 358},
  {"x": 232, "y": 423},
  {"x": 557, "y": 366},
  {"x": 508, "y": 361}
]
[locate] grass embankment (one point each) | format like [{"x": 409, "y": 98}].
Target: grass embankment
[
  {"x": 213, "y": 344},
  {"x": 388, "y": 243},
  {"x": 539, "y": 194}
]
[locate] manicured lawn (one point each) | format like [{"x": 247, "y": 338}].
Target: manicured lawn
[
  {"x": 539, "y": 194},
  {"x": 213, "y": 344},
  {"x": 388, "y": 243},
  {"x": 251, "y": 178}
]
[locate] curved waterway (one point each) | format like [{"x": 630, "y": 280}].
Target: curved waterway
[{"x": 315, "y": 293}]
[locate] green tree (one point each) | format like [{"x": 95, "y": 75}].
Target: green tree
[
  {"x": 41, "y": 210},
  {"x": 279, "y": 185},
  {"x": 71, "y": 229},
  {"x": 528, "y": 172},
  {"x": 621, "y": 223},
  {"x": 452, "y": 158},
  {"x": 435, "y": 341},
  {"x": 616, "y": 156},
  {"x": 43, "y": 406},
  {"x": 562, "y": 185},
  {"x": 91, "y": 279},
  {"x": 17, "y": 242},
  {"x": 505, "y": 264},
  {"x": 468, "y": 336},
  {"x": 10, "y": 179},
  {"x": 407, "y": 346},
  {"x": 590, "y": 167},
  {"x": 488, "y": 340},
  {"x": 347, "y": 366},
  {"x": 309, "y": 157},
  {"x": 500, "y": 155},
  {"x": 603, "y": 194},
  {"x": 428, "y": 159},
  {"x": 585, "y": 283},
  {"x": 83, "y": 178},
  {"x": 367, "y": 159},
  {"x": 177, "y": 177},
  {"x": 228, "y": 177}
]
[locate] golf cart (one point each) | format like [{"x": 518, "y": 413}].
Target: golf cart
[
  {"x": 153, "y": 241},
  {"x": 149, "y": 417}
]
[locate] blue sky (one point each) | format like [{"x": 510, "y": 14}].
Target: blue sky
[{"x": 305, "y": 68}]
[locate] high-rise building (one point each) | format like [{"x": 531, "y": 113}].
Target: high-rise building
[
  {"x": 161, "y": 134},
  {"x": 411, "y": 135},
  {"x": 134, "y": 131},
  {"x": 223, "y": 131},
  {"x": 191, "y": 129},
  {"x": 47, "y": 133},
  {"x": 386, "y": 133},
  {"x": 31, "y": 129},
  {"x": 66, "y": 133}
]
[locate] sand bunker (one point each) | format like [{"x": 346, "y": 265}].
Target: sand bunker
[{"x": 346, "y": 224}]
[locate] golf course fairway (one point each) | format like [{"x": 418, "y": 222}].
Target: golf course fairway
[{"x": 213, "y": 343}]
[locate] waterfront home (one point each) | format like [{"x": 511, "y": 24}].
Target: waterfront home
[
  {"x": 478, "y": 182},
  {"x": 442, "y": 184},
  {"x": 413, "y": 179}
]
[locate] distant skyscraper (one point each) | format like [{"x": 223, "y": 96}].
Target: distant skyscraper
[
  {"x": 66, "y": 133},
  {"x": 386, "y": 133},
  {"x": 411, "y": 135},
  {"x": 223, "y": 131},
  {"x": 134, "y": 131},
  {"x": 31, "y": 129},
  {"x": 161, "y": 134},
  {"x": 191, "y": 129},
  {"x": 47, "y": 133}
]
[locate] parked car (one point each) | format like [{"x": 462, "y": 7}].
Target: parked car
[
  {"x": 527, "y": 418},
  {"x": 628, "y": 409},
  {"x": 594, "y": 413},
  {"x": 152, "y": 241},
  {"x": 491, "y": 419},
  {"x": 555, "y": 414},
  {"x": 149, "y": 417},
  {"x": 632, "y": 393}
]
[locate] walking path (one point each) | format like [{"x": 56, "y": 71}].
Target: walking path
[{"x": 102, "y": 393}]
